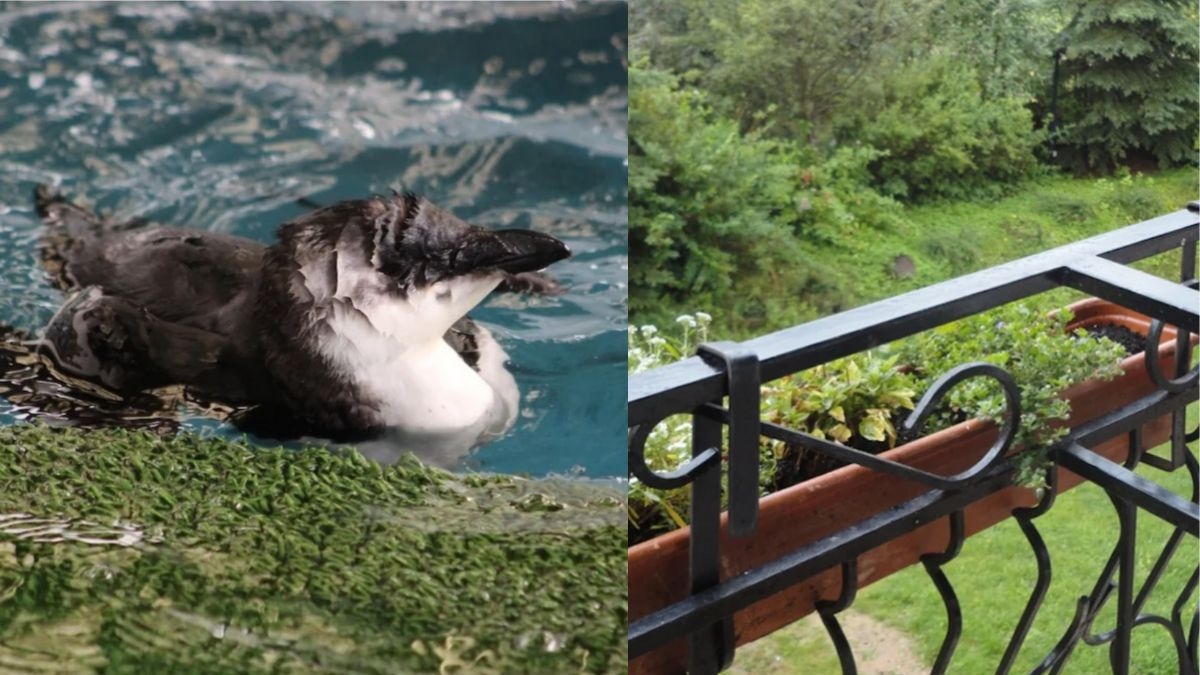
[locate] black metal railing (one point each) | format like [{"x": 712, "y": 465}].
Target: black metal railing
[{"x": 699, "y": 387}]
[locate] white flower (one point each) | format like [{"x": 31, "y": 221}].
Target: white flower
[
  {"x": 648, "y": 330},
  {"x": 704, "y": 318},
  {"x": 687, "y": 321}
]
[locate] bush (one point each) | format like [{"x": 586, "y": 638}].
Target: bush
[
  {"x": 709, "y": 209},
  {"x": 718, "y": 218},
  {"x": 938, "y": 137}
]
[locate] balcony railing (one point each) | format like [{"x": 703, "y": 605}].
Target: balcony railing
[{"x": 720, "y": 390}]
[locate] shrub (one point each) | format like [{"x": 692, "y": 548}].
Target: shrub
[
  {"x": 938, "y": 137},
  {"x": 722, "y": 218},
  {"x": 709, "y": 209}
]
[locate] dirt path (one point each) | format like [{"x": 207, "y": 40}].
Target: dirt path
[{"x": 804, "y": 648}]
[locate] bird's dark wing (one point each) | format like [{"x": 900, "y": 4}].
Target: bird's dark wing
[
  {"x": 110, "y": 341},
  {"x": 176, "y": 274}
]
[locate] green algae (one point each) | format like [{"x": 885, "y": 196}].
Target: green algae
[{"x": 124, "y": 552}]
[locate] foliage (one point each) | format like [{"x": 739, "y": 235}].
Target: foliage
[
  {"x": 709, "y": 209},
  {"x": 946, "y": 239},
  {"x": 144, "y": 552},
  {"x": 674, "y": 35},
  {"x": 794, "y": 66},
  {"x": 1130, "y": 71},
  {"x": 718, "y": 217},
  {"x": 1033, "y": 347},
  {"x": 855, "y": 400},
  {"x": 937, "y": 136},
  {"x": 848, "y": 400},
  {"x": 1006, "y": 44}
]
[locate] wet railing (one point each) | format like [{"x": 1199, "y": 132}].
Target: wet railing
[{"x": 720, "y": 390}]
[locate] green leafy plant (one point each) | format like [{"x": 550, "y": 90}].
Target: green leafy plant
[
  {"x": 857, "y": 400},
  {"x": 853, "y": 401},
  {"x": 1035, "y": 348}
]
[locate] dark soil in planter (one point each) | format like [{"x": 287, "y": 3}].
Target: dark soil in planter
[{"x": 1132, "y": 341}]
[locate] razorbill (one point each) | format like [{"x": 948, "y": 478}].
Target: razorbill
[{"x": 352, "y": 323}]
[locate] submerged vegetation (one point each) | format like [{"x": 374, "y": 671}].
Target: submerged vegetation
[{"x": 124, "y": 552}]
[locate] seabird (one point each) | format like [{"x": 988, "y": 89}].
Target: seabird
[{"x": 351, "y": 324}]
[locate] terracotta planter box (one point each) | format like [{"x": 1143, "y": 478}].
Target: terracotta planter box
[{"x": 819, "y": 507}]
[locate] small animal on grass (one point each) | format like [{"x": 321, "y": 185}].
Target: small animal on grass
[{"x": 353, "y": 323}]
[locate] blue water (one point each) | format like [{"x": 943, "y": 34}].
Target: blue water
[{"x": 219, "y": 116}]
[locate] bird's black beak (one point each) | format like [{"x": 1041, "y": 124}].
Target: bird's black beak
[{"x": 512, "y": 251}]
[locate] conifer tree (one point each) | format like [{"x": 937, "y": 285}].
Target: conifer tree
[{"x": 1131, "y": 70}]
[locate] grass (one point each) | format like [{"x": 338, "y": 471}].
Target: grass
[
  {"x": 949, "y": 239},
  {"x": 122, "y": 552}
]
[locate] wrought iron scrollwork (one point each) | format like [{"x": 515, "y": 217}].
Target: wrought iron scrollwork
[
  {"x": 828, "y": 611},
  {"x": 1153, "y": 338},
  {"x": 1025, "y": 518},
  {"x": 915, "y": 421},
  {"x": 668, "y": 480}
]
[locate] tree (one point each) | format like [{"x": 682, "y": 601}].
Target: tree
[
  {"x": 1131, "y": 84},
  {"x": 792, "y": 66}
]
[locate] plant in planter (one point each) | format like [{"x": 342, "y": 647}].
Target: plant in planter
[
  {"x": 855, "y": 401},
  {"x": 859, "y": 400},
  {"x": 819, "y": 508},
  {"x": 1035, "y": 348}
]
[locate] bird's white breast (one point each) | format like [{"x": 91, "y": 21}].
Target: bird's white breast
[{"x": 426, "y": 387}]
